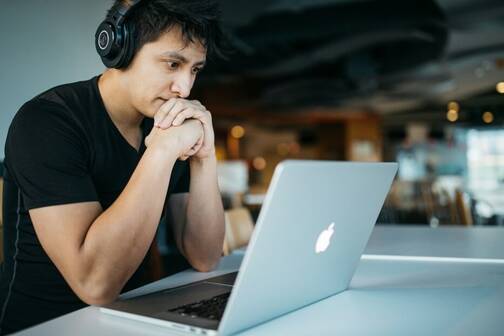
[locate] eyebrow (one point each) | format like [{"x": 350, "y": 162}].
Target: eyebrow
[{"x": 181, "y": 58}]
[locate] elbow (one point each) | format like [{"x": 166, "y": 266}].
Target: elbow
[
  {"x": 98, "y": 300},
  {"x": 202, "y": 260},
  {"x": 205, "y": 266},
  {"x": 97, "y": 295}
]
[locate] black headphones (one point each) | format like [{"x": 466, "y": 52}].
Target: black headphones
[{"x": 113, "y": 39}]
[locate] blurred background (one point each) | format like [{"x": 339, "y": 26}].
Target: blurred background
[{"x": 417, "y": 82}]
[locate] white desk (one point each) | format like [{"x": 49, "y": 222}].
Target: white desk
[
  {"x": 447, "y": 241},
  {"x": 385, "y": 297}
]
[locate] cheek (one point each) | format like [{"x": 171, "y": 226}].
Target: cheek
[
  {"x": 143, "y": 100},
  {"x": 151, "y": 89},
  {"x": 159, "y": 84}
]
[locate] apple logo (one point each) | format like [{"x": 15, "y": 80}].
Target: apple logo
[{"x": 324, "y": 239}]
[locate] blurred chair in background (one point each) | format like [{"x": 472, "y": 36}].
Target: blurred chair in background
[
  {"x": 484, "y": 213},
  {"x": 438, "y": 204},
  {"x": 439, "y": 201},
  {"x": 463, "y": 206},
  {"x": 233, "y": 182},
  {"x": 239, "y": 227}
]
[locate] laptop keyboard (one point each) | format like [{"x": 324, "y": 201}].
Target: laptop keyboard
[{"x": 211, "y": 309}]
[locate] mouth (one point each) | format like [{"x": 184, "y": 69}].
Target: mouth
[{"x": 160, "y": 101}]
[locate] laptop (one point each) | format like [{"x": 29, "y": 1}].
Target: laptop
[{"x": 314, "y": 224}]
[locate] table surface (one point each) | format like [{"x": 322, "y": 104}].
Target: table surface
[
  {"x": 454, "y": 285},
  {"x": 480, "y": 242}
]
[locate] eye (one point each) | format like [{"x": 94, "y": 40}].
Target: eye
[
  {"x": 196, "y": 70},
  {"x": 173, "y": 65}
]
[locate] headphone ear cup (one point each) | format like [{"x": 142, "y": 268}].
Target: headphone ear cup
[
  {"x": 108, "y": 43},
  {"x": 114, "y": 38},
  {"x": 128, "y": 47},
  {"x": 103, "y": 38}
]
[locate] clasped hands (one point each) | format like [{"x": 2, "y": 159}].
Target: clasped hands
[{"x": 190, "y": 123}]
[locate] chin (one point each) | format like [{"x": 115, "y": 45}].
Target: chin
[
  {"x": 149, "y": 114},
  {"x": 154, "y": 107},
  {"x": 145, "y": 112}
]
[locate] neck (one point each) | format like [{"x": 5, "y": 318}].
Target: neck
[{"x": 115, "y": 98}]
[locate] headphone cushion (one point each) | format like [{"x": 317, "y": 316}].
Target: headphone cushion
[{"x": 128, "y": 47}]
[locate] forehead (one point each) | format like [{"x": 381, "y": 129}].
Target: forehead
[{"x": 173, "y": 41}]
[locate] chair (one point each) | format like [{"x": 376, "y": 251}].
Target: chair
[
  {"x": 463, "y": 208},
  {"x": 239, "y": 227},
  {"x": 438, "y": 204},
  {"x": 451, "y": 206}
]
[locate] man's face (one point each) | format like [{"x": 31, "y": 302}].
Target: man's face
[{"x": 163, "y": 69}]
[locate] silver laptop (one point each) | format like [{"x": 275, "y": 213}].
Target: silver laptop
[{"x": 313, "y": 227}]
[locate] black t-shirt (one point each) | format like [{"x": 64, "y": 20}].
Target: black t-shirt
[{"x": 62, "y": 147}]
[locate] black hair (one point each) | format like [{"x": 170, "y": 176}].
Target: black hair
[{"x": 197, "y": 19}]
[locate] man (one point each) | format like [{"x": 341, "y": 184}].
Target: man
[{"x": 90, "y": 168}]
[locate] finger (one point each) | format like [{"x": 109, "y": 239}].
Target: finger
[
  {"x": 163, "y": 111},
  {"x": 208, "y": 136},
  {"x": 193, "y": 112},
  {"x": 170, "y": 112},
  {"x": 203, "y": 115},
  {"x": 198, "y": 103},
  {"x": 185, "y": 114},
  {"x": 177, "y": 108},
  {"x": 191, "y": 152},
  {"x": 196, "y": 148},
  {"x": 147, "y": 140},
  {"x": 152, "y": 135},
  {"x": 201, "y": 140}
]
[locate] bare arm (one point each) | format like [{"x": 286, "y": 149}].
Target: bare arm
[
  {"x": 198, "y": 217},
  {"x": 200, "y": 230},
  {"x": 97, "y": 251}
]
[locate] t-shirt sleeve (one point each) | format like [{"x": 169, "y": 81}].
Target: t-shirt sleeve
[{"x": 47, "y": 154}]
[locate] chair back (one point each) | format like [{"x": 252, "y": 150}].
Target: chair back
[{"x": 239, "y": 227}]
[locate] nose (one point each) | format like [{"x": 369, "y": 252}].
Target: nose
[{"x": 182, "y": 85}]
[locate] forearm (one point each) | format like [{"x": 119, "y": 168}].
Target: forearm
[
  {"x": 203, "y": 235},
  {"x": 119, "y": 238}
]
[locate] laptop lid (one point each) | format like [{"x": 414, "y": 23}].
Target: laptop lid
[{"x": 313, "y": 227}]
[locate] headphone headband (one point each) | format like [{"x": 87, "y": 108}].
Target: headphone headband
[{"x": 121, "y": 13}]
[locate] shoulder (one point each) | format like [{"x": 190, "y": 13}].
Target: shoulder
[
  {"x": 47, "y": 123},
  {"x": 71, "y": 95},
  {"x": 35, "y": 111},
  {"x": 39, "y": 118},
  {"x": 59, "y": 107}
]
